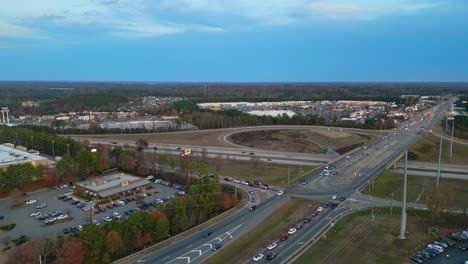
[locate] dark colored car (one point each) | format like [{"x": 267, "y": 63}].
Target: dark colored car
[
  {"x": 416, "y": 259},
  {"x": 207, "y": 234},
  {"x": 307, "y": 220},
  {"x": 342, "y": 198},
  {"x": 110, "y": 206},
  {"x": 75, "y": 202},
  {"x": 62, "y": 196},
  {"x": 101, "y": 209},
  {"x": 67, "y": 199},
  {"x": 253, "y": 207},
  {"x": 66, "y": 230},
  {"x": 463, "y": 247},
  {"x": 73, "y": 229},
  {"x": 270, "y": 255},
  {"x": 333, "y": 205},
  {"x": 216, "y": 247},
  {"x": 1, "y": 217}
]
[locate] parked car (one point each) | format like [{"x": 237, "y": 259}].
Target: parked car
[
  {"x": 35, "y": 214},
  {"x": 40, "y": 206},
  {"x": 61, "y": 217},
  {"x": 31, "y": 201},
  {"x": 107, "y": 219}
]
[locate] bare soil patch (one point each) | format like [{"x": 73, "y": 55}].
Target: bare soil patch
[{"x": 303, "y": 140}]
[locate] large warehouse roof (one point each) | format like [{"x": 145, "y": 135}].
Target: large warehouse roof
[{"x": 10, "y": 156}]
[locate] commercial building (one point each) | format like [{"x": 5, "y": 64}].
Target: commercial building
[
  {"x": 10, "y": 156},
  {"x": 111, "y": 184}
]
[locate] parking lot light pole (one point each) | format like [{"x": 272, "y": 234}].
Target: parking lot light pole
[{"x": 185, "y": 154}]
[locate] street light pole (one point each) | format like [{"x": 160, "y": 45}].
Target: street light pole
[
  {"x": 403, "y": 207},
  {"x": 440, "y": 158},
  {"x": 451, "y": 141}
]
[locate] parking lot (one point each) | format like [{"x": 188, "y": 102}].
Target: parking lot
[{"x": 33, "y": 228}]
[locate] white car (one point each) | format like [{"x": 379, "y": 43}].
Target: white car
[
  {"x": 258, "y": 257},
  {"x": 292, "y": 231},
  {"x": 107, "y": 219},
  {"x": 61, "y": 217},
  {"x": 279, "y": 193},
  {"x": 117, "y": 215},
  {"x": 50, "y": 220},
  {"x": 320, "y": 209},
  {"x": 334, "y": 197},
  {"x": 31, "y": 201},
  {"x": 271, "y": 246},
  {"x": 80, "y": 227},
  {"x": 86, "y": 208},
  {"x": 35, "y": 214}
]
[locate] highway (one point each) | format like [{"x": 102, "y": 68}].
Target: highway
[{"x": 353, "y": 173}]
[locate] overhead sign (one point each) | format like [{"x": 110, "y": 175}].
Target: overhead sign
[
  {"x": 124, "y": 183},
  {"x": 187, "y": 152}
]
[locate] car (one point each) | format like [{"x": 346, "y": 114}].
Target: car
[
  {"x": 86, "y": 208},
  {"x": 447, "y": 241},
  {"x": 74, "y": 202},
  {"x": 101, "y": 209},
  {"x": 31, "y": 201},
  {"x": 66, "y": 230},
  {"x": 440, "y": 243},
  {"x": 333, "y": 205},
  {"x": 55, "y": 213},
  {"x": 463, "y": 247},
  {"x": 253, "y": 207},
  {"x": 258, "y": 257},
  {"x": 50, "y": 220},
  {"x": 35, "y": 214},
  {"x": 436, "y": 247},
  {"x": 333, "y": 197},
  {"x": 207, "y": 234},
  {"x": 298, "y": 226},
  {"x": 415, "y": 259},
  {"x": 107, "y": 219},
  {"x": 61, "y": 196},
  {"x": 284, "y": 238},
  {"x": 271, "y": 246},
  {"x": 40, "y": 206},
  {"x": 270, "y": 255},
  {"x": 292, "y": 231},
  {"x": 314, "y": 214},
  {"x": 320, "y": 209},
  {"x": 80, "y": 228},
  {"x": 73, "y": 229},
  {"x": 342, "y": 198},
  {"x": 307, "y": 220},
  {"x": 279, "y": 193},
  {"x": 116, "y": 215},
  {"x": 251, "y": 193},
  {"x": 96, "y": 222},
  {"x": 110, "y": 206},
  {"x": 61, "y": 217},
  {"x": 67, "y": 199},
  {"x": 216, "y": 247}
]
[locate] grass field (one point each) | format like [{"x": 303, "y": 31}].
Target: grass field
[
  {"x": 418, "y": 188},
  {"x": 271, "y": 173},
  {"x": 357, "y": 238},
  {"x": 270, "y": 230},
  {"x": 427, "y": 149}
]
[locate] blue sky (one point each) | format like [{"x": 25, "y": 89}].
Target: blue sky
[{"x": 234, "y": 40}]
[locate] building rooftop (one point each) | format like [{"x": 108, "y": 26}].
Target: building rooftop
[
  {"x": 10, "y": 156},
  {"x": 101, "y": 183}
]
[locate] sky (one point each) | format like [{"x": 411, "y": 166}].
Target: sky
[{"x": 234, "y": 40}]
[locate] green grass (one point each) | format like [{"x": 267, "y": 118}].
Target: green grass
[
  {"x": 389, "y": 182},
  {"x": 358, "y": 239},
  {"x": 427, "y": 149},
  {"x": 269, "y": 231}
]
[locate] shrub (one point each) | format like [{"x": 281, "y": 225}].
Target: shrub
[{"x": 8, "y": 227}]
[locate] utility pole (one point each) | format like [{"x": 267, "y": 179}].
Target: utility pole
[
  {"x": 68, "y": 149},
  {"x": 289, "y": 173},
  {"x": 185, "y": 154},
  {"x": 53, "y": 148},
  {"x": 403, "y": 207},
  {"x": 451, "y": 141},
  {"x": 440, "y": 158}
]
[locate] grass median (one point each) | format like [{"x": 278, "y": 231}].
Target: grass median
[
  {"x": 270, "y": 230},
  {"x": 418, "y": 188},
  {"x": 427, "y": 149}
]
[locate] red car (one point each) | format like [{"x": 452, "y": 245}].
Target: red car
[
  {"x": 110, "y": 206},
  {"x": 283, "y": 238},
  {"x": 314, "y": 214},
  {"x": 307, "y": 220}
]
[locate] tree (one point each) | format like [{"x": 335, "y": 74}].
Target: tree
[
  {"x": 141, "y": 221},
  {"x": 72, "y": 251},
  {"x": 114, "y": 243},
  {"x": 94, "y": 238},
  {"x": 141, "y": 144},
  {"x": 227, "y": 203},
  {"x": 172, "y": 162},
  {"x": 66, "y": 166},
  {"x": 141, "y": 239},
  {"x": 27, "y": 253},
  {"x": 438, "y": 199}
]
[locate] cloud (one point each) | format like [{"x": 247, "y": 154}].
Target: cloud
[{"x": 156, "y": 18}]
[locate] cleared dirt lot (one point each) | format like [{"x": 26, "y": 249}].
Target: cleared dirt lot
[{"x": 300, "y": 140}]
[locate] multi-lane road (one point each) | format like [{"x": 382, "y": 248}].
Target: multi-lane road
[{"x": 353, "y": 173}]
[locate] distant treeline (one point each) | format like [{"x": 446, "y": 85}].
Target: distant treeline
[{"x": 108, "y": 96}]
